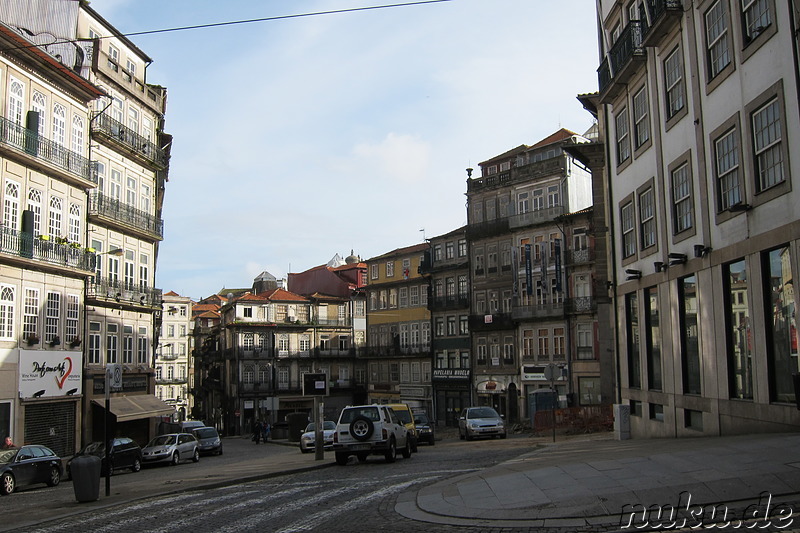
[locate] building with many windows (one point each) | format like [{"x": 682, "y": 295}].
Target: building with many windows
[
  {"x": 173, "y": 363},
  {"x": 523, "y": 318},
  {"x": 446, "y": 267},
  {"x": 45, "y": 175},
  {"x": 698, "y": 107},
  {"x": 130, "y": 159},
  {"x": 398, "y": 353}
]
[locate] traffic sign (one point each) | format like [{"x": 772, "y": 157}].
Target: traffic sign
[{"x": 114, "y": 376}]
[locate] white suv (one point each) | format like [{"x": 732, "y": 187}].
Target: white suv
[{"x": 365, "y": 430}]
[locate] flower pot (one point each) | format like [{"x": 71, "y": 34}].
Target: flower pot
[
  {"x": 32, "y": 340},
  {"x": 44, "y": 237}
]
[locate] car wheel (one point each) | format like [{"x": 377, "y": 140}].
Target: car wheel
[
  {"x": 137, "y": 465},
  {"x": 341, "y": 458},
  {"x": 361, "y": 428},
  {"x": 196, "y": 456},
  {"x": 407, "y": 451},
  {"x": 176, "y": 458},
  {"x": 55, "y": 477},
  {"x": 220, "y": 450},
  {"x": 362, "y": 457},
  {"x": 391, "y": 453},
  {"x": 7, "y": 484},
  {"x": 414, "y": 445}
]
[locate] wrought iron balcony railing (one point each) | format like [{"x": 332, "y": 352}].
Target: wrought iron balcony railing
[
  {"x": 581, "y": 304},
  {"x": 546, "y": 310},
  {"x": 663, "y": 16},
  {"x": 122, "y": 292},
  {"x": 620, "y": 65},
  {"x": 30, "y": 142},
  {"x": 102, "y": 205},
  {"x": 142, "y": 147},
  {"x": 27, "y": 246},
  {"x": 455, "y": 301}
]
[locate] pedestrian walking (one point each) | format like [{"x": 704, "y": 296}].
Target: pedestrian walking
[
  {"x": 257, "y": 430},
  {"x": 7, "y": 444},
  {"x": 267, "y": 431}
]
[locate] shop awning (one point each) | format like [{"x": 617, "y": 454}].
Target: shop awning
[{"x": 135, "y": 407}]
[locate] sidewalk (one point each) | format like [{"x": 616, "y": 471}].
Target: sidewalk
[{"x": 596, "y": 483}]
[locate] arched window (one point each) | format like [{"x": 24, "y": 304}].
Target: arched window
[
  {"x": 11, "y": 206},
  {"x": 39, "y": 104},
  {"x": 15, "y": 101},
  {"x": 59, "y": 124},
  {"x": 74, "y": 223},
  {"x": 35, "y": 206},
  {"x": 6, "y": 312},
  {"x": 248, "y": 374},
  {"x": 77, "y": 134},
  {"x": 55, "y": 216}
]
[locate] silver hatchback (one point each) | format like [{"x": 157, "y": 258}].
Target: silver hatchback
[
  {"x": 480, "y": 422},
  {"x": 171, "y": 448}
]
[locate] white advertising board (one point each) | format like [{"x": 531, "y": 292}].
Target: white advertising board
[{"x": 44, "y": 374}]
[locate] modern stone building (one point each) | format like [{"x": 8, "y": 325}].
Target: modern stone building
[{"x": 698, "y": 110}]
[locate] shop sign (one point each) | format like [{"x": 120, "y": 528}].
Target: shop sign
[
  {"x": 132, "y": 383},
  {"x": 451, "y": 374},
  {"x": 44, "y": 374}
]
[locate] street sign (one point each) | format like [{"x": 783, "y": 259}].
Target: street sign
[
  {"x": 114, "y": 371},
  {"x": 315, "y": 384}
]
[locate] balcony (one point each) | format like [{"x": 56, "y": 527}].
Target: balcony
[
  {"x": 532, "y": 311},
  {"x": 664, "y": 15},
  {"x": 112, "y": 211},
  {"x": 390, "y": 350},
  {"x": 28, "y": 251},
  {"x": 170, "y": 381},
  {"x": 624, "y": 60},
  {"x": 137, "y": 146},
  {"x": 114, "y": 291},
  {"x": 579, "y": 257},
  {"x": 444, "y": 303},
  {"x": 581, "y": 304},
  {"x": 519, "y": 174},
  {"x": 67, "y": 164},
  {"x": 487, "y": 229},
  {"x": 534, "y": 218}
]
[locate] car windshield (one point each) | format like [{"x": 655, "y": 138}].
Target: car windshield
[
  {"x": 482, "y": 412},
  {"x": 348, "y": 415},
  {"x": 205, "y": 433},
  {"x": 403, "y": 415},
  {"x": 327, "y": 425},
  {"x": 422, "y": 419},
  {"x": 163, "y": 440},
  {"x": 6, "y": 456}
]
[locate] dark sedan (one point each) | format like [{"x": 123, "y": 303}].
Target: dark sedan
[
  {"x": 124, "y": 454},
  {"x": 209, "y": 441},
  {"x": 28, "y": 465}
]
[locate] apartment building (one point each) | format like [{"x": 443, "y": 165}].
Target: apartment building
[
  {"x": 129, "y": 151},
  {"x": 173, "y": 364},
  {"x": 398, "y": 353},
  {"x": 446, "y": 268},
  {"x": 45, "y": 260},
  {"x": 527, "y": 313},
  {"x": 698, "y": 107}
]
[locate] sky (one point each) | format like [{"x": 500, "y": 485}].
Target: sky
[{"x": 301, "y": 138}]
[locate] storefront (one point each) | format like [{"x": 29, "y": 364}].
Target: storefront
[
  {"x": 501, "y": 393},
  {"x": 452, "y": 394}
]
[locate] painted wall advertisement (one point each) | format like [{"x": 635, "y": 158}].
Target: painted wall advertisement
[{"x": 44, "y": 374}]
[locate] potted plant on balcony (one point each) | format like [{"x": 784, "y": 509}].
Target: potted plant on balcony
[
  {"x": 44, "y": 237},
  {"x": 55, "y": 341},
  {"x": 91, "y": 250},
  {"x": 62, "y": 240},
  {"x": 32, "y": 339},
  {"x": 75, "y": 341},
  {"x": 75, "y": 245}
]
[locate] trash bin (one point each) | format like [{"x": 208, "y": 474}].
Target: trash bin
[
  {"x": 85, "y": 472},
  {"x": 297, "y": 424}
]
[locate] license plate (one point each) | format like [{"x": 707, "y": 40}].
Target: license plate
[{"x": 360, "y": 447}]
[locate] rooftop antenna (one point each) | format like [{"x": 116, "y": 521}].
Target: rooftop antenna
[{"x": 423, "y": 234}]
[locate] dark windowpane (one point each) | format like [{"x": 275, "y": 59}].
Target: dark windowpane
[
  {"x": 690, "y": 346},
  {"x": 780, "y": 324}
]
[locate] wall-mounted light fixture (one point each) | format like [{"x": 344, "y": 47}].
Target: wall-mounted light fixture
[
  {"x": 633, "y": 274},
  {"x": 660, "y": 266},
  {"x": 677, "y": 259},
  {"x": 701, "y": 250}
]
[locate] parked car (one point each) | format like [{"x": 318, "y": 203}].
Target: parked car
[
  {"x": 125, "y": 453},
  {"x": 308, "y": 438},
  {"x": 208, "y": 440},
  {"x": 171, "y": 448},
  {"x": 363, "y": 430},
  {"x": 480, "y": 422},
  {"x": 28, "y": 465},
  {"x": 405, "y": 415},
  {"x": 425, "y": 431},
  {"x": 188, "y": 425}
]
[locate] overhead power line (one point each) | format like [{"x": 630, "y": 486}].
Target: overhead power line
[
  {"x": 235, "y": 22},
  {"x": 283, "y": 17}
]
